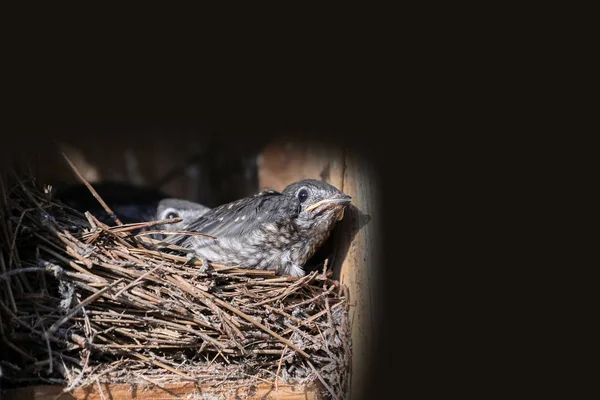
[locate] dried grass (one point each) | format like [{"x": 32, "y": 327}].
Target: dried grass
[{"x": 84, "y": 304}]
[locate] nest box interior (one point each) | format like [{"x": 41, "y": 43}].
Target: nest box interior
[{"x": 200, "y": 165}]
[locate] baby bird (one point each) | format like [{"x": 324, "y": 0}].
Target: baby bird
[
  {"x": 270, "y": 230},
  {"x": 173, "y": 208}
]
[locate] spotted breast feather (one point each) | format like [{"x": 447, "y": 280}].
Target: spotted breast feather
[{"x": 241, "y": 218}]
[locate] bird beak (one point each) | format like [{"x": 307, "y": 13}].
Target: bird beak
[{"x": 343, "y": 200}]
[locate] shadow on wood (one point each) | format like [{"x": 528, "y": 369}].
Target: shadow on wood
[{"x": 336, "y": 248}]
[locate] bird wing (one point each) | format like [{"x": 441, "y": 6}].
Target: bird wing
[{"x": 241, "y": 217}]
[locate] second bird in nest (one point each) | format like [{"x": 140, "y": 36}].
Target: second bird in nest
[
  {"x": 132, "y": 204},
  {"x": 270, "y": 230}
]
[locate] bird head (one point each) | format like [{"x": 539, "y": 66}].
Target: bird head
[
  {"x": 319, "y": 201},
  {"x": 179, "y": 208}
]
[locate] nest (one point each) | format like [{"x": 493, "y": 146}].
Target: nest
[{"x": 83, "y": 303}]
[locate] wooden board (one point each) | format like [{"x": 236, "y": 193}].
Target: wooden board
[
  {"x": 287, "y": 160},
  {"x": 169, "y": 391},
  {"x": 189, "y": 162}
]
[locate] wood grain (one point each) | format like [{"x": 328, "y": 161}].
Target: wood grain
[
  {"x": 169, "y": 391},
  {"x": 358, "y": 247},
  {"x": 288, "y": 159},
  {"x": 359, "y": 235}
]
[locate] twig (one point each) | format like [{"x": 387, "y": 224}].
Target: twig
[
  {"x": 279, "y": 367},
  {"x": 165, "y": 366},
  {"x": 317, "y": 297},
  {"x": 135, "y": 282},
  {"x": 71, "y": 263},
  {"x": 160, "y": 303},
  {"x": 194, "y": 291},
  {"x": 142, "y": 225},
  {"x": 100, "y": 390},
  {"x": 76, "y": 309},
  {"x": 184, "y": 233},
  {"x": 12, "y": 246},
  {"x": 290, "y": 289},
  {"x": 291, "y": 317},
  {"x": 314, "y": 317},
  {"x": 8, "y": 285},
  {"x": 93, "y": 191},
  {"x": 256, "y": 377},
  {"x": 322, "y": 380},
  {"x": 50, "y": 364},
  {"x": 20, "y": 271},
  {"x": 74, "y": 383}
]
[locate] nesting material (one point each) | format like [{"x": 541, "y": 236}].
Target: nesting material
[{"x": 82, "y": 303}]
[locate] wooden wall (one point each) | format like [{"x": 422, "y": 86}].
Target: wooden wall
[
  {"x": 288, "y": 159},
  {"x": 183, "y": 160}
]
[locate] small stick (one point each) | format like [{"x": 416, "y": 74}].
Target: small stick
[
  {"x": 50, "y": 366},
  {"x": 58, "y": 270},
  {"x": 158, "y": 384},
  {"x": 325, "y": 273},
  {"x": 256, "y": 377},
  {"x": 14, "y": 316},
  {"x": 214, "y": 358},
  {"x": 48, "y": 242},
  {"x": 229, "y": 322},
  {"x": 183, "y": 328},
  {"x": 78, "y": 378},
  {"x": 100, "y": 389},
  {"x": 72, "y": 264},
  {"x": 322, "y": 294},
  {"x": 134, "y": 226},
  {"x": 289, "y": 290},
  {"x": 27, "y": 193},
  {"x": 322, "y": 380},
  {"x": 298, "y": 321},
  {"x": 93, "y": 225},
  {"x": 329, "y": 316},
  {"x": 175, "y": 233},
  {"x": 145, "y": 346},
  {"x": 209, "y": 304},
  {"x": 279, "y": 367},
  {"x": 88, "y": 326},
  {"x": 76, "y": 309},
  {"x": 135, "y": 282},
  {"x": 93, "y": 191},
  {"x": 194, "y": 291},
  {"x": 12, "y": 247},
  {"x": 66, "y": 370},
  {"x": 313, "y": 339},
  {"x": 224, "y": 358},
  {"x": 21, "y": 271},
  {"x": 271, "y": 352},
  {"x": 8, "y": 285},
  {"x": 141, "y": 225},
  {"x": 317, "y": 315},
  {"x": 164, "y": 366}
]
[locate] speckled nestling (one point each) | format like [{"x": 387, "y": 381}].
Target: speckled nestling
[{"x": 270, "y": 230}]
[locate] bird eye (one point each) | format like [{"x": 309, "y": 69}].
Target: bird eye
[
  {"x": 171, "y": 215},
  {"x": 302, "y": 195}
]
